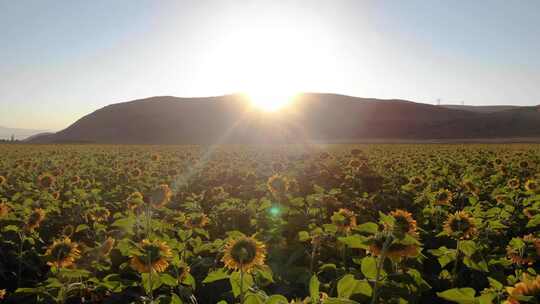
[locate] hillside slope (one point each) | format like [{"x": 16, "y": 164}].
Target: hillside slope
[{"x": 312, "y": 117}]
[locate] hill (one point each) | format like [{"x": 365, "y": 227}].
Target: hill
[
  {"x": 482, "y": 109},
  {"x": 311, "y": 117},
  {"x": 19, "y": 134}
]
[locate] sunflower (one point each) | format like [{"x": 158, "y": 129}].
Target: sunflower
[
  {"x": 155, "y": 157},
  {"x": 3, "y": 180},
  {"x": 403, "y": 224},
  {"x": 355, "y": 163},
  {"x": 527, "y": 287},
  {"x": 461, "y": 225},
  {"x": 2, "y": 294},
  {"x": 245, "y": 253},
  {"x": 46, "y": 180},
  {"x": 75, "y": 180},
  {"x": 532, "y": 186},
  {"x": 4, "y": 209},
  {"x": 153, "y": 256},
  {"x": 277, "y": 184},
  {"x": 471, "y": 187},
  {"x": 344, "y": 219},
  {"x": 135, "y": 173},
  {"x": 98, "y": 214},
  {"x": 395, "y": 250},
  {"x": 198, "y": 220},
  {"x": 135, "y": 200},
  {"x": 106, "y": 247},
  {"x": 513, "y": 183},
  {"x": 416, "y": 180},
  {"x": 443, "y": 197},
  {"x": 523, "y": 164},
  {"x": 530, "y": 212},
  {"x": 62, "y": 253},
  {"x": 527, "y": 254},
  {"x": 34, "y": 220},
  {"x": 160, "y": 196}
]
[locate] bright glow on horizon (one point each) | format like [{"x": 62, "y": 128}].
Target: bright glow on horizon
[{"x": 270, "y": 101}]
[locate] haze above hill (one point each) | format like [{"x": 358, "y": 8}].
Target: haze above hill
[{"x": 312, "y": 117}]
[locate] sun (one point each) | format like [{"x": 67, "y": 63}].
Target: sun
[{"x": 270, "y": 101}]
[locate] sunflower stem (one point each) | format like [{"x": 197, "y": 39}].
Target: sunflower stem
[
  {"x": 456, "y": 261},
  {"x": 241, "y": 285},
  {"x": 19, "y": 261},
  {"x": 380, "y": 264}
]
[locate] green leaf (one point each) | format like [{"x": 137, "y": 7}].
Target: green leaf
[
  {"x": 175, "y": 299},
  {"x": 277, "y": 299},
  {"x": 459, "y": 295},
  {"x": 339, "y": 301},
  {"x": 81, "y": 227},
  {"x": 168, "y": 280},
  {"x": 495, "y": 284},
  {"x": 467, "y": 247},
  {"x": 534, "y": 221},
  {"x": 253, "y": 298},
  {"x": 369, "y": 267},
  {"x": 234, "y": 279},
  {"x": 314, "y": 286},
  {"x": 354, "y": 241},
  {"x": 303, "y": 236},
  {"x": 126, "y": 224},
  {"x": 348, "y": 286},
  {"x": 151, "y": 283},
  {"x": 369, "y": 227},
  {"x": 220, "y": 274}
]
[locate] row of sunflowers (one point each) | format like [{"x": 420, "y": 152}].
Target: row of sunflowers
[{"x": 270, "y": 224}]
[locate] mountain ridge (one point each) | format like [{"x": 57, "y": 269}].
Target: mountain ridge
[{"x": 323, "y": 117}]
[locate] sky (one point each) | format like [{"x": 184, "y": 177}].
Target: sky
[{"x": 60, "y": 60}]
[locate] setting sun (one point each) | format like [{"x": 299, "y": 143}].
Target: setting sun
[{"x": 270, "y": 101}]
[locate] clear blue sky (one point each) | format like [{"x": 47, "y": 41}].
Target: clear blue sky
[{"x": 60, "y": 60}]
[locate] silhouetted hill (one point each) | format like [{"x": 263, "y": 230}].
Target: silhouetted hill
[
  {"x": 481, "y": 109},
  {"x": 311, "y": 117}
]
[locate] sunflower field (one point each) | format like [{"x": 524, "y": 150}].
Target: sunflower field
[{"x": 333, "y": 224}]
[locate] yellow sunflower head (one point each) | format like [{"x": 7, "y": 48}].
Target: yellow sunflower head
[
  {"x": 135, "y": 173},
  {"x": 277, "y": 184},
  {"x": 344, "y": 219},
  {"x": 395, "y": 250},
  {"x": 460, "y": 225},
  {"x": 160, "y": 196},
  {"x": 355, "y": 163},
  {"x": 46, "y": 180},
  {"x": 416, "y": 180},
  {"x": 134, "y": 200},
  {"x": 62, "y": 253},
  {"x": 532, "y": 186},
  {"x": 106, "y": 247},
  {"x": 513, "y": 183},
  {"x": 152, "y": 256},
  {"x": 4, "y": 209},
  {"x": 245, "y": 253},
  {"x": 155, "y": 157},
  {"x": 2, "y": 294},
  {"x": 403, "y": 224},
  {"x": 524, "y": 251},
  {"x": 34, "y": 220},
  {"x": 523, "y": 164},
  {"x": 528, "y": 287},
  {"x": 99, "y": 214},
  {"x": 197, "y": 220},
  {"x": 443, "y": 197},
  {"x": 471, "y": 187}
]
